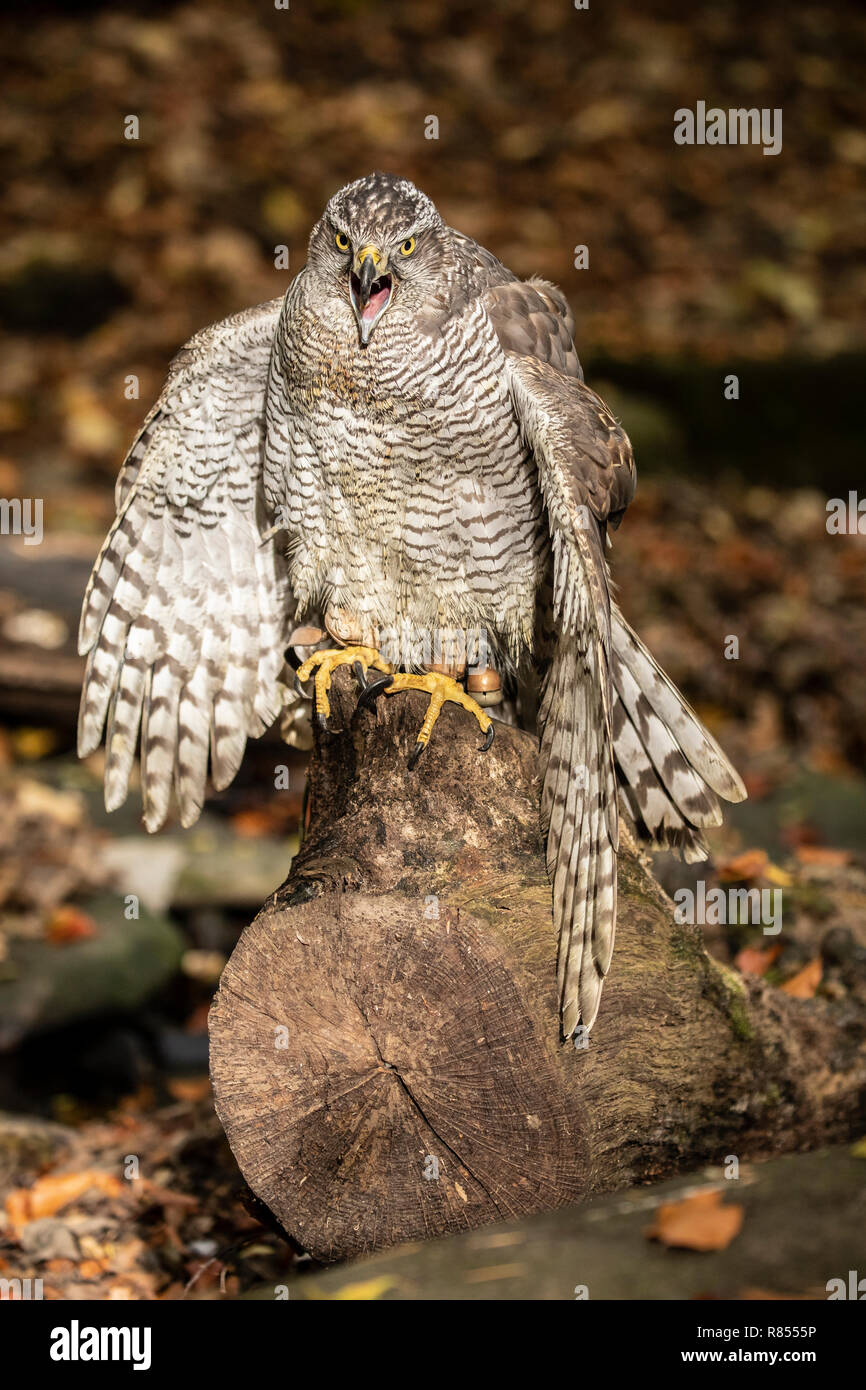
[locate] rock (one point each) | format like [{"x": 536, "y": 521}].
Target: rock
[
  {"x": 28, "y": 1144},
  {"x": 802, "y": 1228},
  {"x": 48, "y": 1239},
  {"x": 147, "y": 868},
  {"x": 118, "y": 969},
  {"x": 234, "y": 873}
]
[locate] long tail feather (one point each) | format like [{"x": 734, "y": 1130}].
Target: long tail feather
[{"x": 579, "y": 813}]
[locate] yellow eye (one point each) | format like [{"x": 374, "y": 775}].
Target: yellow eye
[
  {"x": 408, "y": 246},
  {"x": 342, "y": 241}
]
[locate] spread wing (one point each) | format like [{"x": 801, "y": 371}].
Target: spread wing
[
  {"x": 187, "y": 611},
  {"x": 609, "y": 714},
  {"x": 586, "y": 475}
]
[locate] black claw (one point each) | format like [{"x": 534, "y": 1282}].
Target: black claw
[
  {"x": 299, "y": 688},
  {"x": 360, "y": 675},
  {"x": 293, "y": 657},
  {"x": 416, "y": 753},
  {"x": 488, "y": 740},
  {"x": 320, "y": 722},
  {"x": 373, "y": 689}
]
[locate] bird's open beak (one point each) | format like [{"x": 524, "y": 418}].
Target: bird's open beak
[{"x": 370, "y": 288}]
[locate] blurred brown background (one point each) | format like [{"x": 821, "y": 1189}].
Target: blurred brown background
[{"x": 555, "y": 129}]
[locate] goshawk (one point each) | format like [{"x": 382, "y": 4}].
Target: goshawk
[{"x": 402, "y": 445}]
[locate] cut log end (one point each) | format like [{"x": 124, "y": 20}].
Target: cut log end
[{"x": 381, "y": 1077}]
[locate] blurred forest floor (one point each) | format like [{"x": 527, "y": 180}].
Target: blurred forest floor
[{"x": 555, "y": 130}]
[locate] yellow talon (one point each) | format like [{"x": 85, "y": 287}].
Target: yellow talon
[
  {"x": 325, "y": 663},
  {"x": 440, "y": 689}
]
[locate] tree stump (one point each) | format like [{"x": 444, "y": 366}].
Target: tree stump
[{"x": 385, "y": 1047}]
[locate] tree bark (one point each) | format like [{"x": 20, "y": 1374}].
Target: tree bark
[{"x": 385, "y": 1046}]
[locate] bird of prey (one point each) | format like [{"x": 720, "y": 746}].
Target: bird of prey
[{"x": 402, "y": 444}]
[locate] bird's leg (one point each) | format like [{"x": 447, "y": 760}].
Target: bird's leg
[
  {"x": 440, "y": 688},
  {"x": 324, "y": 663}
]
